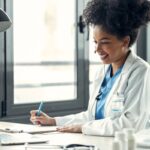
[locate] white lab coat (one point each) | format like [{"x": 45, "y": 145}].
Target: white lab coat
[
  {"x": 131, "y": 82},
  {"x": 146, "y": 103}
]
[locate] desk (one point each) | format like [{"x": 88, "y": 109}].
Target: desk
[{"x": 57, "y": 138}]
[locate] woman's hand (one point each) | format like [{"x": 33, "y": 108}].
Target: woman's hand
[
  {"x": 71, "y": 128},
  {"x": 43, "y": 119}
]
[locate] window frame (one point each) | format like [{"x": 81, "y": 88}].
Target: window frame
[
  {"x": 20, "y": 112},
  {"x": 2, "y": 69}
]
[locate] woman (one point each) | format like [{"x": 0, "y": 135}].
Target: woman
[{"x": 118, "y": 86}]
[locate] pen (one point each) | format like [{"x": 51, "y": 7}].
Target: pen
[{"x": 39, "y": 109}]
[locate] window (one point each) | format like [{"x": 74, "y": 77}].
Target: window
[
  {"x": 44, "y": 58},
  {"x": 44, "y": 51},
  {"x": 148, "y": 44}
]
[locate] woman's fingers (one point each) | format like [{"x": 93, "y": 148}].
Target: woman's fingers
[
  {"x": 36, "y": 119},
  {"x": 63, "y": 129},
  {"x": 42, "y": 118},
  {"x": 72, "y": 128},
  {"x": 33, "y": 112}
]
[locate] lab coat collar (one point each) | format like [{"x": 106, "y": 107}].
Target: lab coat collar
[
  {"x": 120, "y": 87},
  {"x": 130, "y": 59}
]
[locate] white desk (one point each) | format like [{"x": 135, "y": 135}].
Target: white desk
[{"x": 57, "y": 138}]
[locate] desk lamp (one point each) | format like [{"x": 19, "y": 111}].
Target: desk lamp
[{"x": 5, "y": 21}]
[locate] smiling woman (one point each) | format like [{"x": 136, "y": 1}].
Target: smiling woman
[
  {"x": 120, "y": 78},
  {"x": 110, "y": 49}
]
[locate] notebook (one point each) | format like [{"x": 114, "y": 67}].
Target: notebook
[
  {"x": 21, "y": 138},
  {"x": 25, "y": 128}
]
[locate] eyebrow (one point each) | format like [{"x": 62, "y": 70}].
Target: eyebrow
[
  {"x": 105, "y": 38},
  {"x": 102, "y": 39}
]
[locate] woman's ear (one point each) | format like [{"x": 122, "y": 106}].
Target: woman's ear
[{"x": 126, "y": 41}]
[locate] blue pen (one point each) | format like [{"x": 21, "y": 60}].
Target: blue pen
[{"x": 39, "y": 109}]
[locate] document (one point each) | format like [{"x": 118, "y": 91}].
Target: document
[
  {"x": 21, "y": 138},
  {"x": 25, "y": 128}
]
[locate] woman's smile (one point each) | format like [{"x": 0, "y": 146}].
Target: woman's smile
[{"x": 103, "y": 56}]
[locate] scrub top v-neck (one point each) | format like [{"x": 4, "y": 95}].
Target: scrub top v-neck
[{"x": 105, "y": 88}]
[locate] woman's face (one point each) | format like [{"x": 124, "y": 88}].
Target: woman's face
[{"x": 110, "y": 49}]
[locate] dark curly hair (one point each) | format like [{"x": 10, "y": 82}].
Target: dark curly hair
[{"x": 118, "y": 17}]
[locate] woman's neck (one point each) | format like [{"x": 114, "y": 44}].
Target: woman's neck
[{"x": 116, "y": 65}]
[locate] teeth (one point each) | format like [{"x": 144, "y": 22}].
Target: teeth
[{"x": 103, "y": 56}]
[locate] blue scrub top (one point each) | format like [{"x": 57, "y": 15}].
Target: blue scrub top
[{"x": 106, "y": 86}]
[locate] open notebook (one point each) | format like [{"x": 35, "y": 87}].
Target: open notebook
[
  {"x": 25, "y": 128},
  {"x": 21, "y": 138}
]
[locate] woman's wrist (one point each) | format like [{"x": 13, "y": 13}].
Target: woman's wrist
[{"x": 52, "y": 121}]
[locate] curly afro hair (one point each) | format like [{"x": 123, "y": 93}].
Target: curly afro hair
[{"x": 118, "y": 17}]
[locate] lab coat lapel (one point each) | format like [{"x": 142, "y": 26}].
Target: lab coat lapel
[
  {"x": 95, "y": 93},
  {"x": 97, "y": 84},
  {"x": 121, "y": 82},
  {"x": 129, "y": 61},
  {"x": 98, "y": 81},
  {"x": 111, "y": 93}
]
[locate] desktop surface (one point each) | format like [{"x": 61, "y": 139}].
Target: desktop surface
[{"x": 58, "y": 138}]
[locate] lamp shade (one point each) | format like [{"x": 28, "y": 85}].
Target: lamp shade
[{"x": 5, "y": 21}]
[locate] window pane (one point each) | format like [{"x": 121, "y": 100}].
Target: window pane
[
  {"x": 53, "y": 93},
  {"x": 44, "y": 50},
  {"x": 43, "y": 75}
]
